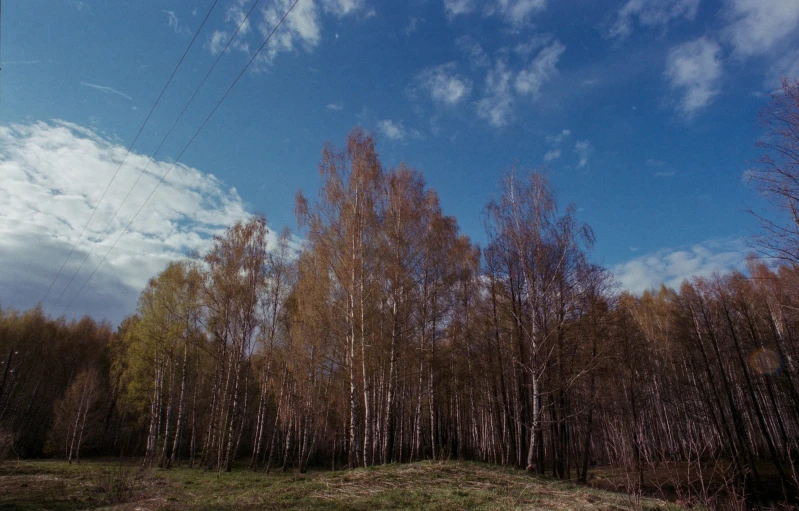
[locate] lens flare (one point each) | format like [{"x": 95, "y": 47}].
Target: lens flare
[{"x": 765, "y": 361}]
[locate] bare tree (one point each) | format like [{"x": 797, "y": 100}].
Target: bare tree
[{"x": 777, "y": 175}]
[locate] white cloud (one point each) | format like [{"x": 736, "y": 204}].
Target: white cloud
[
  {"x": 456, "y": 7},
  {"x": 560, "y": 137},
  {"x": 672, "y": 267},
  {"x": 554, "y": 154},
  {"x": 554, "y": 142},
  {"x": 236, "y": 14},
  {"x": 390, "y": 129},
  {"x": 336, "y": 107},
  {"x": 543, "y": 67},
  {"x": 503, "y": 85},
  {"x": 537, "y": 41},
  {"x": 53, "y": 176},
  {"x": 695, "y": 68},
  {"x": 651, "y": 13},
  {"x": 497, "y": 105},
  {"x": 583, "y": 149},
  {"x": 394, "y": 130},
  {"x": 107, "y": 90},
  {"x": 172, "y": 20},
  {"x": 478, "y": 58},
  {"x": 174, "y": 23},
  {"x": 410, "y": 28},
  {"x": 756, "y": 26},
  {"x": 444, "y": 85},
  {"x": 236, "y": 18},
  {"x": 301, "y": 27},
  {"x": 217, "y": 42},
  {"x": 517, "y": 12},
  {"x": 343, "y": 7}
]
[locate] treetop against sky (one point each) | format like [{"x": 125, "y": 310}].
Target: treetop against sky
[{"x": 645, "y": 113}]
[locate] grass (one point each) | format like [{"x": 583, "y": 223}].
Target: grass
[{"x": 55, "y": 485}]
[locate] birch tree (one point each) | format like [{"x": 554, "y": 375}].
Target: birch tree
[
  {"x": 341, "y": 224},
  {"x": 545, "y": 249}
]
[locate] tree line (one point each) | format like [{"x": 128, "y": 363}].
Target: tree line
[{"x": 389, "y": 337}]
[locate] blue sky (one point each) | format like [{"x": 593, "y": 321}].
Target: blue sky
[{"x": 643, "y": 111}]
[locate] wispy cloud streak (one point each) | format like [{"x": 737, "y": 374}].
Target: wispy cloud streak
[{"x": 107, "y": 90}]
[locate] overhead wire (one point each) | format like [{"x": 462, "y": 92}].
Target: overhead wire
[
  {"x": 225, "y": 95},
  {"x": 152, "y": 158},
  {"x": 130, "y": 148}
]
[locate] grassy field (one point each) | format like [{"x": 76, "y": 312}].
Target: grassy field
[{"x": 54, "y": 485}]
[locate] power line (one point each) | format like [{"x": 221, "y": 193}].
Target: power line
[
  {"x": 130, "y": 148},
  {"x": 152, "y": 158},
  {"x": 183, "y": 151}
]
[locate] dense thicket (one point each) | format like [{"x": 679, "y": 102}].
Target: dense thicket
[
  {"x": 389, "y": 337},
  {"x": 55, "y": 394}
]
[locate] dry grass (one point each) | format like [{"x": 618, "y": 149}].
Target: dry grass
[{"x": 34, "y": 485}]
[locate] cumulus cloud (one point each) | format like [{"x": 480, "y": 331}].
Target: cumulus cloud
[
  {"x": 53, "y": 176},
  {"x": 395, "y": 130},
  {"x": 694, "y": 68},
  {"x": 672, "y": 267},
  {"x": 444, "y": 85},
  {"x": 757, "y": 26},
  {"x": 651, "y": 13},
  {"x": 336, "y": 107}
]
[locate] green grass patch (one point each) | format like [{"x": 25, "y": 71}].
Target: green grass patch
[{"x": 451, "y": 485}]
